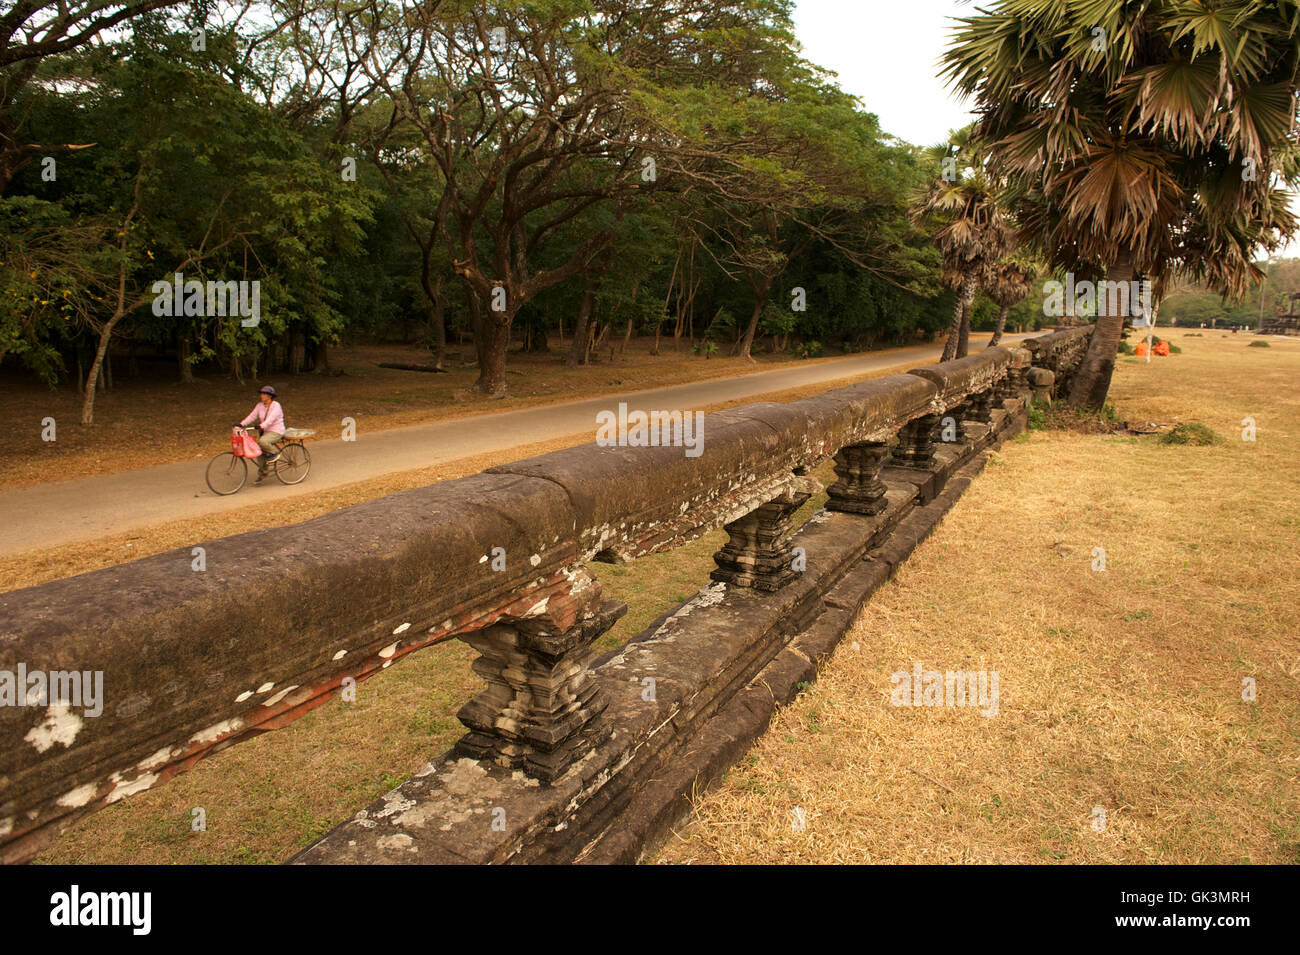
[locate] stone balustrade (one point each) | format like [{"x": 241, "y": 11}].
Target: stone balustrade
[{"x": 582, "y": 763}]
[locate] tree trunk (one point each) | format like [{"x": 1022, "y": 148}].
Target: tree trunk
[
  {"x": 88, "y": 395},
  {"x": 538, "y": 342},
  {"x": 1002, "y": 324},
  {"x": 963, "y": 336},
  {"x": 478, "y": 330},
  {"x": 439, "y": 326},
  {"x": 491, "y": 340},
  {"x": 964, "y": 297},
  {"x": 1092, "y": 381},
  {"x": 746, "y": 343},
  {"x": 578, "y": 350},
  {"x": 184, "y": 368}
]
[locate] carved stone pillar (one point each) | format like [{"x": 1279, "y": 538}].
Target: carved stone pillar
[
  {"x": 859, "y": 489},
  {"x": 541, "y": 710},
  {"x": 1014, "y": 384},
  {"x": 952, "y": 425},
  {"x": 1042, "y": 381},
  {"x": 981, "y": 406},
  {"x": 915, "y": 448},
  {"x": 758, "y": 554}
]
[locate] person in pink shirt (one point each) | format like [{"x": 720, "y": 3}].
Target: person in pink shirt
[{"x": 270, "y": 422}]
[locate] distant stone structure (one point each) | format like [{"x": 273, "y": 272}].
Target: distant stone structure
[
  {"x": 577, "y": 759},
  {"x": 1283, "y": 323}
]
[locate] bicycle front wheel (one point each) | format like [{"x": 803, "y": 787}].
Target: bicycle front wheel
[
  {"x": 294, "y": 463},
  {"x": 227, "y": 473}
]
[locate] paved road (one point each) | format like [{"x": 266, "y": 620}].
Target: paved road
[{"x": 43, "y": 516}]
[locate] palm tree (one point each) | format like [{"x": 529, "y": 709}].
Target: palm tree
[
  {"x": 962, "y": 210},
  {"x": 1009, "y": 284},
  {"x": 1147, "y": 138}
]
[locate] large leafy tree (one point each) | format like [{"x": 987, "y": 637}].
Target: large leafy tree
[
  {"x": 188, "y": 175},
  {"x": 1145, "y": 137},
  {"x": 31, "y": 32},
  {"x": 536, "y": 113}
]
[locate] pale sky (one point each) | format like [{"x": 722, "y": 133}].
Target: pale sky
[{"x": 886, "y": 53}]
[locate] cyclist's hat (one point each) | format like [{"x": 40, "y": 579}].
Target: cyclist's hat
[{"x": 267, "y": 390}]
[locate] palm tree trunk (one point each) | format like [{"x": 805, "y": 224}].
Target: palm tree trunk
[
  {"x": 964, "y": 297},
  {"x": 1002, "y": 324},
  {"x": 963, "y": 336},
  {"x": 1092, "y": 380}
]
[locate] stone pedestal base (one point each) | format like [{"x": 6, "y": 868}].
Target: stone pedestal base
[
  {"x": 859, "y": 489},
  {"x": 916, "y": 446},
  {"x": 541, "y": 709},
  {"x": 758, "y": 554}
]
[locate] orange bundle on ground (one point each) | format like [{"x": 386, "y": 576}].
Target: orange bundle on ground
[
  {"x": 1162, "y": 348},
  {"x": 1142, "y": 348}
]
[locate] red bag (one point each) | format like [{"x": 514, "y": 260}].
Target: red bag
[{"x": 245, "y": 445}]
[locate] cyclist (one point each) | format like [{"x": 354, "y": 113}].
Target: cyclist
[{"x": 270, "y": 422}]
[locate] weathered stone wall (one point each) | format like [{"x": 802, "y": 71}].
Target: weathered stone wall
[{"x": 191, "y": 664}]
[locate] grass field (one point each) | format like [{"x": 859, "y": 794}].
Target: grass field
[
  {"x": 1119, "y": 689},
  {"x": 1121, "y": 734}
]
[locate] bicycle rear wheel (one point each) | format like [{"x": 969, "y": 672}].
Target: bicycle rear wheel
[
  {"x": 227, "y": 473},
  {"x": 293, "y": 464}
]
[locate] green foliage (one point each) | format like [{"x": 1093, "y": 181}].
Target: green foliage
[
  {"x": 226, "y": 164},
  {"x": 1126, "y": 347},
  {"x": 48, "y": 264},
  {"x": 1258, "y": 343},
  {"x": 775, "y": 320},
  {"x": 1062, "y": 417},
  {"x": 1191, "y": 432}
]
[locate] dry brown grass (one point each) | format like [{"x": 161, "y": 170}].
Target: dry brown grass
[{"x": 1120, "y": 690}]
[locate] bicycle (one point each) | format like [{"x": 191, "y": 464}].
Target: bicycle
[{"x": 228, "y": 471}]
